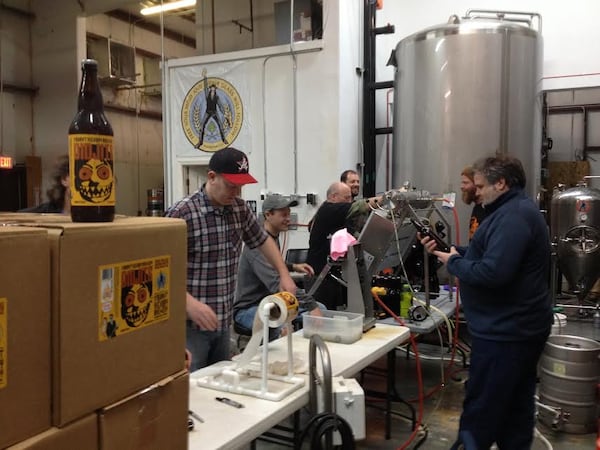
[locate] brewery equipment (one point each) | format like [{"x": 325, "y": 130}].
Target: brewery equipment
[
  {"x": 464, "y": 90},
  {"x": 575, "y": 230}
]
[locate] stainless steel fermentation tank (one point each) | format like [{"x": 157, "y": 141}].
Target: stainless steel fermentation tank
[
  {"x": 575, "y": 230},
  {"x": 464, "y": 90}
]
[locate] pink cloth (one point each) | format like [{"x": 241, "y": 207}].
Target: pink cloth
[{"x": 340, "y": 241}]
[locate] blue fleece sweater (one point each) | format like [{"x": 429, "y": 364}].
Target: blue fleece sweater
[{"x": 504, "y": 272}]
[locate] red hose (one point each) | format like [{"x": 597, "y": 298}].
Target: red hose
[{"x": 419, "y": 373}]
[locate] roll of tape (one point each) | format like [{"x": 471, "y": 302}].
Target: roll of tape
[{"x": 285, "y": 310}]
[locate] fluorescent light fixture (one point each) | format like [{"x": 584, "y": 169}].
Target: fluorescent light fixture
[{"x": 167, "y": 7}]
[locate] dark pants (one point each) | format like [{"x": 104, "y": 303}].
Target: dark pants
[
  {"x": 206, "y": 347},
  {"x": 499, "y": 403}
]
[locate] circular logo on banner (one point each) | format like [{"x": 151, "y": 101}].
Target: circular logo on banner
[{"x": 211, "y": 114}]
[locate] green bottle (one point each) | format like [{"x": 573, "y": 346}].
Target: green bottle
[{"x": 405, "y": 300}]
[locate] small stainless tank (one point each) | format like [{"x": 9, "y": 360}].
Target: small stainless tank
[{"x": 575, "y": 230}]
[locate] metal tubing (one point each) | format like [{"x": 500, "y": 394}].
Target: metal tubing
[
  {"x": 369, "y": 141},
  {"x": 426, "y": 257},
  {"x": 316, "y": 341},
  {"x": 501, "y": 15}
]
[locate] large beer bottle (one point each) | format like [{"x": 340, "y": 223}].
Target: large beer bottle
[{"x": 91, "y": 167}]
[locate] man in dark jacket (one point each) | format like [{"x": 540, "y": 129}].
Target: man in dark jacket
[
  {"x": 504, "y": 287},
  {"x": 331, "y": 217}
]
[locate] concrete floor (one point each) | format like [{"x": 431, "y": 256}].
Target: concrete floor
[
  {"x": 441, "y": 409},
  {"x": 441, "y": 413}
]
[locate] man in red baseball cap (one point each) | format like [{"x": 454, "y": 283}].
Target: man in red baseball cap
[
  {"x": 218, "y": 222},
  {"x": 232, "y": 165}
]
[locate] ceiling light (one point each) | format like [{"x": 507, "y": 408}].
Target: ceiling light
[{"x": 167, "y": 7}]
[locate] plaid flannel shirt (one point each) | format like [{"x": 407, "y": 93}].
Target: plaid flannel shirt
[{"x": 215, "y": 236}]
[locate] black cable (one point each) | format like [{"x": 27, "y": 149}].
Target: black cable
[
  {"x": 329, "y": 425},
  {"x": 322, "y": 424}
]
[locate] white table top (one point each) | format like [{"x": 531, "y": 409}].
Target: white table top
[{"x": 227, "y": 427}]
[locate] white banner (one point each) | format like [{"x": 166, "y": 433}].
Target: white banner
[{"x": 209, "y": 108}]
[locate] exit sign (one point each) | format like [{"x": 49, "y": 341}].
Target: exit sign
[{"x": 6, "y": 162}]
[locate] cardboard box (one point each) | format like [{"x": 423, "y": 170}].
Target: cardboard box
[
  {"x": 16, "y": 218},
  {"x": 24, "y": 334},
  {"x": 154, "y": 419},
  {"x": 79, "y": 435},
  {"x": 118, "y": 309}
]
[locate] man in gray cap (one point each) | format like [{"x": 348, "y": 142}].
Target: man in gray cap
[
  {"x": 256, "y": 277},
  {"x": 218, "y": 222}
]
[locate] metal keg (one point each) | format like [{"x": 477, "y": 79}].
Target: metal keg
[
  {"x": 569, "y": 374},
  {"x": 156, "y": 203}
]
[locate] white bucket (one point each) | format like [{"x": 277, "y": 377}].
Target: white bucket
[{"x": 559, "y": 324}]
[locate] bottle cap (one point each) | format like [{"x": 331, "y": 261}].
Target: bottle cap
[{"x": 89, "y": 62}]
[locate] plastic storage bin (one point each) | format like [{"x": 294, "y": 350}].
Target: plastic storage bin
[{"x": 334, "y": 326}]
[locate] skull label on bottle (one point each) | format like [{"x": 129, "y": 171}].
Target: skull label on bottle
[{"x": 92, "y": 170}]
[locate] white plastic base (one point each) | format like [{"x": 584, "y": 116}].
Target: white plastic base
[{"x": 249, "y": 382}]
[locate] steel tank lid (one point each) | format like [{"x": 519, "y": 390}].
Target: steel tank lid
[
  {"x": 577, "y": 192},
  {"x": 576, "y": 344},
  {"x": 470, "y": 26}
]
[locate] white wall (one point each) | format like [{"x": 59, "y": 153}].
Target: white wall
[{"x": 349, "y": 26}]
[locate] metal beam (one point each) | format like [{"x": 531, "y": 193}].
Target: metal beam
[{"x": 139, "y": 22}]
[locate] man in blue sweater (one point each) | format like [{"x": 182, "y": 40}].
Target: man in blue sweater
[{"x": 504, "y": 284}]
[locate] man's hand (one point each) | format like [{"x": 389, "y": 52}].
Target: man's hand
[
  {"x": 287, "y": 284},
  {"x": 304, "y": 268},
  {"x": 430, "y": 247},
  {"x": 188, "y": 359},
  {"x": 201, "y": 314}
]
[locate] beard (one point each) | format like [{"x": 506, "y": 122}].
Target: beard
[{"x": 469, "y": 197}]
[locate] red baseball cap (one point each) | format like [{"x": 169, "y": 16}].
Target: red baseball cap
[{"x": 232, "y": 164}]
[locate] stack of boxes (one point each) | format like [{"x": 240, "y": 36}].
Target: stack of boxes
[{"x": 92, "y": 334}]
